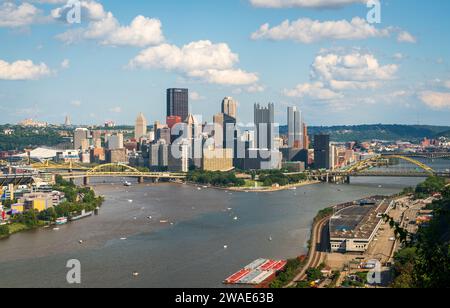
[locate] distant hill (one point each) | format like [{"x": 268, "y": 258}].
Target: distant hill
[
  {"x": 379, "y": 132},
  {"x": 443, "y": 134}
]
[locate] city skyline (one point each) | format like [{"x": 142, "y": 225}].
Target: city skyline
[{"x": 394, "y": 72}]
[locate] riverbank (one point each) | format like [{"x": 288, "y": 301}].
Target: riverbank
[
  {"x": 77, "y": 200},
  {"x": 261, "y": 189}
]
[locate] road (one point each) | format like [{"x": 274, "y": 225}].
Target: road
[{"x": 315, "y": 257}]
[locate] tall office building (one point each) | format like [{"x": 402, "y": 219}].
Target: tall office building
[
  {"x": 229, "y": 107},
  {"x": 305, "y": 137},
  {"x": 225, "y": 131},
  {"x": 115, "y": 142},
  {"x": 140, "y": 129},
  {"x": 322, "y": 151},
  {"x": 163, "y": 133},
  {"x": 295, "y": 128},
  {"x": 80, "y": 139},
  {"x": 264, "y": 122},
  {"x": 178, "y": 103}
]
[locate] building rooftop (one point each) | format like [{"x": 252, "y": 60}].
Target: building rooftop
[{"x": 358, "y": 221}]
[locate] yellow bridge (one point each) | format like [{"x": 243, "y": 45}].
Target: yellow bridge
[
  {"x": 365, "y": 164},
  {"x": 120, "y": 170}
]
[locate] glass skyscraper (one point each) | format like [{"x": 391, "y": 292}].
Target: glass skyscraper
[{"x": 178, "y": 103}]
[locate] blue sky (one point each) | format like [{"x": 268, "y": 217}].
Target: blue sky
[{"x": 330, "y": 61}]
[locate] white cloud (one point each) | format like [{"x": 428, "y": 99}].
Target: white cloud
[
  {"x": 309, "y": 31},
  {"x": 255, "y": 88},
  {"x": 116, "y": 109},
  {"x": 354, "y": 70},
  {"x": 304, "y": 3},
  {"x": 75, "y": 103},
  {"x": 447, "y": 84},
  {"x": 195, "y": 96},
  {"x": 204, "y": 60},
  {"x": 334, "y": 74},
  {"x": 435, "y": 100},
  {"x": 406, "y": 37},
  {"x": 65, "y": 64},
  {"x": 23, "y": 70},
  {"x": 106, "y": 29},
  {"x": 13, "y": 16},
  {"x": 314, "y": 90},
  {"x": 398, "y": 56}
]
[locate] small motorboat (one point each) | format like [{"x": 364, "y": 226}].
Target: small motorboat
[{"x": 127, "y": 184}]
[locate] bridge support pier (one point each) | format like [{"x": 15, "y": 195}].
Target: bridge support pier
[
  {"x": 347, "y": 179},
  {"x": 141, "y": 180},
  {"x": 85, "y": 181}
]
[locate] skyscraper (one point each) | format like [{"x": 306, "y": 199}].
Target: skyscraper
[
  {"x": 140, "y": 129},
  {"x": 229, "y": 107},
  {"x": 67, "y": 121},
  {"x": 115, "y": 142},
  {"x": 295, "y": 128},
  {"x": 80, "y": 139},
  {"x": 178, "y": 103},
  {"x": 322, "y": 151},
  {"x": 264, "y": 122},
  {"x": 305, "y": 137},
  {"x": 225, "y": 131}
]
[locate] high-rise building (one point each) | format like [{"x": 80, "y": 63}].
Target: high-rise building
[
  {"x": 140, "y": 129},
  {"x": 116, "y": 156},
  {"x": 67, "y": 121},
  {"x": 264, "y": 122},
  {"x": 163, "y": 133},
  {"x": 295, "y": 128},
  {"x": 229, "y": 107},
  {"x": 178, "y": 103},
  {"x": 322, "y": 151},
  {"x": 305, "y": 137},
  {"x": 159, "y": 156},
  {"x": 179, "y": 157},
  {"x": 115, "y": 142},
  {"x": 217, "y": 159},
  {"x": 225, "y": 131},
  {"x": 80, "y": 139},
  {"x": 173, "y": 120}
]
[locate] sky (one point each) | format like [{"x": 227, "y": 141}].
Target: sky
[{"x": 342, "y": 62}]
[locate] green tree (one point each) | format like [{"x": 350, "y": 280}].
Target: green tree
[{"x": 4, "y": 231}]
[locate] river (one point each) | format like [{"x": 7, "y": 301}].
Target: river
[{"x": 187, "y": 251}]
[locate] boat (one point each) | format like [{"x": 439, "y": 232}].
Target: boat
[
  {"x": 127, "y": 184},
  {"x": 61, "y": 221},
  {"x": 83, "y": 214}
]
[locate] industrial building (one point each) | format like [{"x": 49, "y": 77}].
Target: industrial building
[{"x": 353, "y": 228}]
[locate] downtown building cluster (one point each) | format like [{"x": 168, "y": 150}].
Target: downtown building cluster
[{"x": 186, "y": 142}]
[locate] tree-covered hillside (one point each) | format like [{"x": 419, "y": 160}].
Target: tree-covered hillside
[{"x": 379, "y": 132}]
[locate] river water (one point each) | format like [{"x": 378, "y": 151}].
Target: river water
[{"x": 175, "y": 235}]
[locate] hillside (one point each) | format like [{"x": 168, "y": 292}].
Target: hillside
[{"x": 379, "y": 132}]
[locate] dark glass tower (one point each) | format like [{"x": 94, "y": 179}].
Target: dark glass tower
[
  {"x": 178, "y": 103},
  {"x": 322, "y": 151},
  {"x": 264, "y": 122}
]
